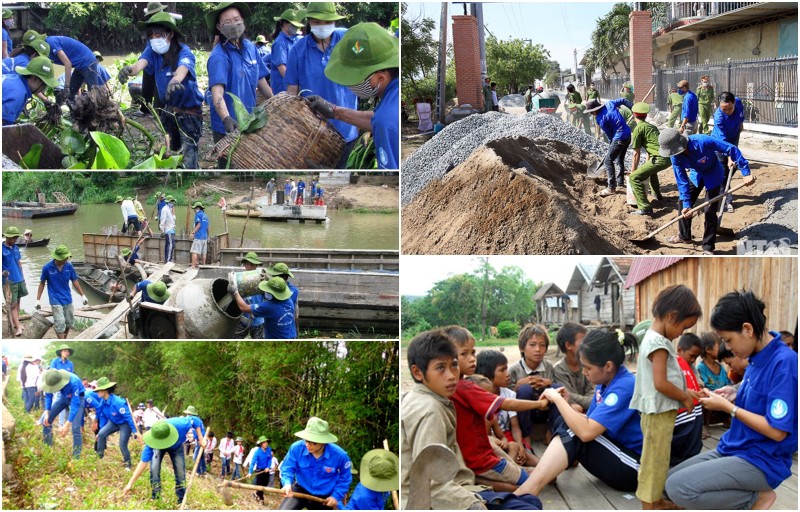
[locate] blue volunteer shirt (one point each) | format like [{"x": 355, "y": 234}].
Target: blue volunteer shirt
[
  {"x": 386, "y": 127},
  {"x": 16, "y": 94},
  {"x": 287, "y": 189},
  {"x": 202, "y": 219},
  {"x": 183, "y": 425},
  {"x": 301, "y": 187},
  {"x": 78, "y": 53},
  {"x": 161, "y": 204},
  {"x": 58, "y": 282},
  {"x": 280, "y": 56},
  {"x": 612, "y": 122},
  {"x": 320, "y": 191},
  {"x": 141, "y": 286},
  {"x": 326, "y": 476},
  {"x": 610, "y": 408},
  {"x": 313, "y": 189},
  {"x": 266, "y": 56},
  {"x": 115, "y": 409},
  {"x": 73, "y": 390},
  {"x": 295, "y": 293},
  {"x": 727, "y": 127},
  {"x": 102, "y": 72},
  {"x": 278, "y": 318},
  {"x": 704, "y": 169},
  {"x": 190, "y": 97},
  {"x": 254, "y": 300},
  {"x": 58, "y": 364},
  {"x": 10, "y": 63},
  {"x": 306, "y": 69},
  {"x": 8, "y": 41},
  {"x": 366, "y": 499},
  {"x": 262, "y": 459},
  {"x": 133, "y": 256},
  {"x": 769, "y": 389},
  {"x": 11, "y": 258},
  {"x": 690, "y": 107},
  {"x": 239, "y": 70}
]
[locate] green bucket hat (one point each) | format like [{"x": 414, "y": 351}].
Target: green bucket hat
[
  {"x": 154, "y": 7},
  {"x": 238, "y": 440},
  {"x": 54, "y": 380},
  {"x": 158, "y": 291},
  {"x": 104, "y": 383},
  {"x": 163, "y": 19},
  {"x": 198, "y": 204},
  {"x": 30, "y": 35},
  {"x": 118, "y": 199},
  {"x": 291, "y": 16},
  {"x": 7, "y": 13},
  {"x": 364, "y": 49},
  {"x": 40, "y": 67},
  {"x": 252, "y": 258},
  {"x": 628, "y": 85},
  {"x": 40, "y": 45},
  {"x": 191, "y": 411},
  {"x": 169, "y": 199},
  {"x": 276, "y": 287},
  {"x": 213, "y": 16},
  {"x": 126, "y": 251},
  {"x": 325, "y": 11},
  {"x": 262, "y": 439},
  {"x": 317, "y": 431},
  {"x": 61, "y": 253},
  {"x": 129, "y": 198},
  {"x": 11, "y": 231},
  {"x": 64, "y": 347},
  {"x": 380, "y": 471},
  {"x": 161, "y": 436},
  {"x": 641, "y": 108},
  {"x": 261, "y": 39},
  {"x": 279, "y": 269}
]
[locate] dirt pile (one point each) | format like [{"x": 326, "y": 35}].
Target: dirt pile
[{"x": 515, "y": 195}]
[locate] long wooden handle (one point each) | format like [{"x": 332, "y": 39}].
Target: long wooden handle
[
  {"x": 272, "y": 490},
  {"x": 648, "y": 93},
  {"x": 395, "y": 499},
  {"x": 191, "y": 477},
  {"x": 695, "y": 209}
]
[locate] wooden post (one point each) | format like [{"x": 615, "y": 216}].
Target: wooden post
[{"x": 252, "y": 191}]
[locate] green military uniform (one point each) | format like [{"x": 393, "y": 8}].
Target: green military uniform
[
  {"x": 645, "y": 135},
  {"x": 628, "y": 115},
  {"x": 573, "y": 97},
  {"x": 627, "y": 92},
  {"x": 675, "y": 104},
  {"x": 528, "y": 100},
  {"x": 581, "y": 117},
  {"x": 705, "y": 103},
  {"x": 487, "y": 98},
  {"x": 592, "y": 94}
]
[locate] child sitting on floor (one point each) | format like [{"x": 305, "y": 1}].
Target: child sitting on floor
[
  {"x": 714, "y": 376},
  {"x": 568, "y": 370}
]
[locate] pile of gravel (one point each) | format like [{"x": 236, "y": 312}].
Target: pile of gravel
[
  {"x": 777, "y": 231},
  {"x": 457, "y": 141},
  {"x": 512, "y": 101}
]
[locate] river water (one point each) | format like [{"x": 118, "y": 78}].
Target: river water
[{"x": 345, "y": 230}]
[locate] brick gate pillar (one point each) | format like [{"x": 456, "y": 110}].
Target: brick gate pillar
[
  {"x": 468, "y": 61},
  {"x": 641, "y": 52}
]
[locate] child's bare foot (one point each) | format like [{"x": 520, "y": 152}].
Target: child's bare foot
[
  {"x": 665, "y": 505},
  {"x": 765, "y": 500}
]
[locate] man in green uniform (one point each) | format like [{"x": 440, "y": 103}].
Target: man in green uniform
[
  {"x": 573, "y": 96},
  {"x": 645, "y": 135},
  {"x": 628, "y": 115},
  {"x": 706, "y": 103},
  {"x": 579, "y": 115},
  {"x": 529, "y": 99},
  {"x": 627, "y": 91},
  {"x": 487, "y": 95},
  {"x": 675, "y": 101},
  {"x": 592, "y": 93}
]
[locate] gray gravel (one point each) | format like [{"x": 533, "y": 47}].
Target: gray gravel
[
  {"x": 457, "y": 141},
  {"x": 512, "y": 100},
  {"x": 776, "y": 233}
]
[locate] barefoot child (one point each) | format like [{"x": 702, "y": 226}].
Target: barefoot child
[
  {"x": 660, "y": 387},
  {"x": 568, "y": 371},
  {"x": 532, "y": 374},
  {"x": 755, "y": 455}
]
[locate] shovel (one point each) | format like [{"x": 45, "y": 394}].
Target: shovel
[
  {"x": 726, "y": 190},
  {"x": 593, "y": 171},
  {"x": 227, "y": 498},
  {"x": 434, "y": 463},
  {"x": 690, "y": 212},
  {"x": 191, "y": 477}
]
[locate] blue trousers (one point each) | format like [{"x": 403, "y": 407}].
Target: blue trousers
[
  {"x": 124, "y": 435},
  {"x": 237, "y": 472},
  {"x": 169, "y": 247},
  {"x": 178, "y": 466},
  {"x": 226, "y": 466},
  {"x": 29, "y": 396},
  {"x": 62, "y": 403},
  {"x": 201, "y": 466}
]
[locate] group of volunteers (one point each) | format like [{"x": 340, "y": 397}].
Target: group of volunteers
[
  {"x": 639, "y": 432},
  {"x": 332, "y": 66}
]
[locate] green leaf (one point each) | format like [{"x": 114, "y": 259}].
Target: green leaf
[
  {"x": 259, "y": 120},
  {"x": 72, "y": 142},
  {"x": 242, "y": 115},
  {"x": 112, "y": 154},
  {"x": 169, "y": 163},
  {"x": 150, "y": 163},
  {"x": 31, "y": 158}
]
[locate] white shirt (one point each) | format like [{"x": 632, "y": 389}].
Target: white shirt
[
  {"x": 226, "y": 447},
  {"x": 128, "y": 210},
  {"x": 494, "y": 98},
  {"x": 274, "y": 466},
  {"x": 32, "y": 372},
  {"x": 238, "y": 454},
  {"x": 250, "y": 456},
  {"x": 167, "y": 219},
  {"x": 211, "y": 444},
  {"x": 151, "y": 416}
]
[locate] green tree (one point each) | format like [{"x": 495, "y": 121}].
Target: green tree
[
  {"x": 515, "y": 63},
  {"x": 553, "y": 75},
  {"x": 419, "y": 55}
]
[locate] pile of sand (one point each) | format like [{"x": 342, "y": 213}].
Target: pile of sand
[{"x": 515, "y": 195}]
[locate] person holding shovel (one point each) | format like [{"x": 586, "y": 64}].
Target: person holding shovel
[
  {"x": 728, "y": 126},
  {"x": 315, "y": 465},
  {"x": 13, "y": 279},
  {"x": 695, "y": 163},
  {"x": 249, "y": 323},
  {"x": 167, "y": 437},
  {"x": 57, "y": 274},
  {"x": 379, "y": 475},
  {"x": 616, "y": 129},
  {"x": 72, "y": 395},
  {"x": 645, "y": 135},
  {"x": 259, "y": 465},
  {"x": 113, "y": 415}
]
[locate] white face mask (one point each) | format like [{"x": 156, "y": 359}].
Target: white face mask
[
  {"x": 323, "y": 31},
  {"x": 159, "y": 45},
  {"x": 364, "y": 90}
]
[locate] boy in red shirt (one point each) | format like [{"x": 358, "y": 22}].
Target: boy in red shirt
[{"x": 687, "y": 437}]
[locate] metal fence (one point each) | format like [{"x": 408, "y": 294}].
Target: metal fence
[{"x": 767, "y": 87}]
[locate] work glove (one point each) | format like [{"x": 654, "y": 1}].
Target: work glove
[
  {"x": 174, "y": 88},
  {"x": 38, "y": 305},
  {"x": 231, "y": 125},
  {"x": 125, "y": 73},
  {"x": 321, "y": 105},
  {"x": 85, "y": 301},
  {"x": 232, "y": 287}
]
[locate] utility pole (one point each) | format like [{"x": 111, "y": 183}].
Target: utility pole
[
  {"x": 575, "y": 60},
  {"x": 478, "y": 10},
  {"x": 442, "y": 74}
]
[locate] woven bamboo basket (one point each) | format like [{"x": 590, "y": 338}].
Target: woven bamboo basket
[{"x": 293, "y": 134}]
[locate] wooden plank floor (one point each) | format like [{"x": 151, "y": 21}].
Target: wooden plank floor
[{"x": 576, "y": 489}]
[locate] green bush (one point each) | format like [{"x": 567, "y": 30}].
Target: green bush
[
  {"x": 508, "y": 329},
  {"x": 417, "y": 328}
]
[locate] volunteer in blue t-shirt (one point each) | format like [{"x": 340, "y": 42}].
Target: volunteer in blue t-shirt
[
  {"x": 305, "y": 71},
  {"x": 755, "y": 455},
  {"x": 265, "y": 54},
  {"x": 234, "y": 66},
  {"x": 283, "y": 38},
  {"x": 71, "y": 394},
  {"x": 728, "y": 126},
  {"x": 151, "y": 292},
  {"x": 690, "y": 109},
  {"x": 367, "y": 61},
  {"x": 277, "y": 308},
  {"x": 23, "y": 55},
  {"x": 8, "y": 22},
  {"x": 172, "y": 64},
  {"x": 248, "y": 323},
  {"x": 282, "y": 270},
  {"x": 113, "y": 415},
  {"x": 28, "y": 81},
  {"x": 13, "y": 279},
  {"x": 80, "y": 64},
  {"x": 200, "y": 234},
  {"x": 57, "y": 274},
  {"x": 618, "y": 132}
]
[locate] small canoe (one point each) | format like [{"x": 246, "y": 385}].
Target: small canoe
[
  {"x": 25, "y": 210},
  {"x": 101, "y": 281},
  {"x": 33, "y": 243}
]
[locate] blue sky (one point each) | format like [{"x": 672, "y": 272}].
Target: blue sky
[{"x": 560, "y": 27}]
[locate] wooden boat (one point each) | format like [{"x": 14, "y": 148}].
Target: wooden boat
[
  {"x": 23, "y": 210},
  {"x": 100, "y": 281},
  {"x": 42, "y": 242}
]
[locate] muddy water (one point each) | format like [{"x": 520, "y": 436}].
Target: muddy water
[{"x": 345, "y": 230}]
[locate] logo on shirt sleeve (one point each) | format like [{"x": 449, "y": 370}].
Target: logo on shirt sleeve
[
  {"x": 611, "y": 399},
  {"x": 778, "y": 409},
  {"x": 122, "y": 410}
]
